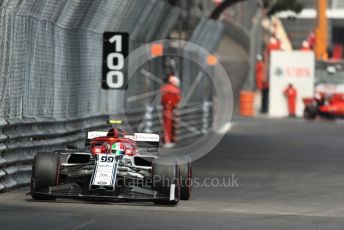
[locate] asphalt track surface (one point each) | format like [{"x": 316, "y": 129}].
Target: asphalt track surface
[{"x": 290, "y": 176}]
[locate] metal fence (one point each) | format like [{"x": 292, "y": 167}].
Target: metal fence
[
  {"x": 244, "y": 26},
  {"x": 207, "y": 35},
  {"x": 51, "y": 52},
  {"x": 198, "y": 92}
]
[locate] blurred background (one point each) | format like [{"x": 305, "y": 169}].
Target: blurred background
[{"x": 284, "y": 60}]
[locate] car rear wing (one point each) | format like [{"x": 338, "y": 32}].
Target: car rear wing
[
  {"x": 94, "y": 134},
  {"x": 147, "y": 143}
]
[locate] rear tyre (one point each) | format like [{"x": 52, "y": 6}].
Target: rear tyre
[
  {"x": 45, "y": 171},
  {"x": 164, "y": 176},
  {"x": 330, "y": 117},
  {"x": 310, "y": 112},
  {"x": 185, "y": 179}
]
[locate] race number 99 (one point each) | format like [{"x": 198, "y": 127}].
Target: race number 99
[{"x": 115, "y": 52}]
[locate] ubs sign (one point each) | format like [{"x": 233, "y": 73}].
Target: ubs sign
[{"x": 297, "y": 68}]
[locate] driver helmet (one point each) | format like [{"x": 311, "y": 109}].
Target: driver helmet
[{"x": 118, "y": 149}]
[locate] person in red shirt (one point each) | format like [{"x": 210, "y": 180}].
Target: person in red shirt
[
  {"x": 170, "y": 98},
  {"x": 260, "y": 72},
  {"x": 311, "y": 40},
  {"x": 291, "y": 95},
  {"x": 274, "y": 44}
]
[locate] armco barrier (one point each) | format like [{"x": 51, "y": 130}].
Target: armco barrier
[
  {"x": 3, "y": 137},
  {"x": 190, "y": 122},
  {"x": 20, "y": 140}
]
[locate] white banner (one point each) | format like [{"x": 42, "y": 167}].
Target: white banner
[
  {"x": 297, "y": 68},
  {"x": 148, "y": 137},
  {"x": 328, "y": 88}
]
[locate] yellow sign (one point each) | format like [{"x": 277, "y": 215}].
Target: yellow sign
[{"x": 115, "y": 122}]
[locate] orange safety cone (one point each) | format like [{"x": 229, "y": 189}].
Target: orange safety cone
[{"x": 247, "y": 103}]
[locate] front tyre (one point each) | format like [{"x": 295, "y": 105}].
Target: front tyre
[
  {"x": 164, "y": 177},
  {"x": 45, "y": 172}
]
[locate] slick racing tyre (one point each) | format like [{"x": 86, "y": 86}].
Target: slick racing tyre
[
  {"x": 185, "y": 179},
  {"x": 164, "y": 177},
  {"x": 45, "y": 172},
  {"x": 310, "y": 112}
]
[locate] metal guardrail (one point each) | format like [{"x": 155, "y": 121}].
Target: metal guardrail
[
  {"x": 20, "y": 140},
  {"x": 191, "y": 121}
]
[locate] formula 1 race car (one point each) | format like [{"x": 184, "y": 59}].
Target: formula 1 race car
[
  {"x": 117, "y": 167},
  {"x": 324, "y": 105}
]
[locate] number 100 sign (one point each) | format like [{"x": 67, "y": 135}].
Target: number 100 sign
[{"x": 115, "y": 52}]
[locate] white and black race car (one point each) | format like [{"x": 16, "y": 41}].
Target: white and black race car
[{"x": 115, "y": 167}]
